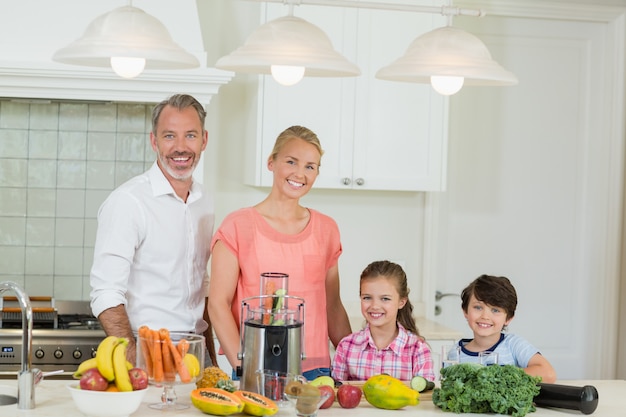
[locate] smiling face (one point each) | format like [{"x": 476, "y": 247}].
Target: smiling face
[
  {"x": 486, "y": 321},
  {"x": 295, "y": 167},
  {"x": 380, "y": 301},
  {"x": 179, "y": 141}
]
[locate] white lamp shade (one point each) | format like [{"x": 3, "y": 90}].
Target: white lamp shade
[
  {"x": 126, "y": 32},
  {"x": 288, "y": 41},
  {"x": 448, "y": 51}
]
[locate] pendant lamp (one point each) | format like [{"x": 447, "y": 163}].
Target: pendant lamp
[
  {"x": 447, "y": 58},
  {"x": 129, "y": 40},
  {"x": 289, "y": 48}
]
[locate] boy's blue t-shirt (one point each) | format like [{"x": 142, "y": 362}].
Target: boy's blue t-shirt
[{"x": 511, "y": 349}]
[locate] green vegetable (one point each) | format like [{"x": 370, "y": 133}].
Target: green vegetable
[
  {"x": 226, "y": 385},
  {"x": 421, "y": 384},
  {"x": 473, "y": 388}
]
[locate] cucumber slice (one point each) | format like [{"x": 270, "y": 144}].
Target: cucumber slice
[
  {"x": 419, "y": 383},
  {"x": 279, "y": 300}
]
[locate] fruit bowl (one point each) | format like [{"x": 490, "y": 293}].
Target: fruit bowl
[
  {"x": 307, "y": 405},
  {"x": 105, "y": 403}
]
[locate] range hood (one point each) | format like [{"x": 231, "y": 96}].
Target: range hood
[{"x": 33, "y": 30}]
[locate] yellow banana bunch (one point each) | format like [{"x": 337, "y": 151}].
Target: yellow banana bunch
[
  {"x": 84, "y": 367},
  {"x": 122, "y": 378},
  {"x": 90, "y": 364},
  {"x": 104, "y": 357}
]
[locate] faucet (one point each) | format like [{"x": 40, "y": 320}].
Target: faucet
[{"x": 25, "y": 377}]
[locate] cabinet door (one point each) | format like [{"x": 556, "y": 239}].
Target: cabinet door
[
  {"x": 315, "y": 102},
  {"x": 376, "y": 134},
  {"x": 400, "y": 131}
]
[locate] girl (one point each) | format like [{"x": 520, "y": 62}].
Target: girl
[{"x": 390, "y": 343}]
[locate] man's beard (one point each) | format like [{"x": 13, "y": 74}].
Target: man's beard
[{"x": 176, "y": 174}]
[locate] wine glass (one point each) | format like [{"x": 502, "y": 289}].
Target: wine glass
[{"x": 170, "y": 359}]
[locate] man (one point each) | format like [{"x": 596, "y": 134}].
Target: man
[{"x": 152, "y": 244}]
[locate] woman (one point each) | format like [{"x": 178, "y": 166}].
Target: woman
[{"x": 280, "y": 235}]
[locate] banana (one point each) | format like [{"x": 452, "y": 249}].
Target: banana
[
  {"x": 122, "y": 378},
  {"x": 104, "y": 357},
  {"x": 84, "y": 367}
]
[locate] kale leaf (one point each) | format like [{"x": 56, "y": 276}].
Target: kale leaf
[{"x": 473, "y": 388}]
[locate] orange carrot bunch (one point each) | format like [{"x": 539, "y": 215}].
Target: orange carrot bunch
[{"x": 163, "y": 359}]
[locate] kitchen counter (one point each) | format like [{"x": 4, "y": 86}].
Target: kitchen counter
[
  {"x": 53, "y": 399},
  {"x": 429, "y": 329}
]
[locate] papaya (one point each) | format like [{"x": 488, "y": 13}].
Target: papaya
[
  {"x": 216, "y": 401},
  {"x": 386, "y": 392},
  {"x": 256, "y": 404}
]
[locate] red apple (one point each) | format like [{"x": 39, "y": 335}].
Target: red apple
[
  {"x": 92, "y": 380},
  {"x": 349, "y": 396},
  {"x": 330, "y": 390},
  {"x": 139, "y": 378}
]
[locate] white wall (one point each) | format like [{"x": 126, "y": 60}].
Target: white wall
[{"x": 374, "y": 225}]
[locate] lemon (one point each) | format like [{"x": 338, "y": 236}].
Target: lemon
[{"x": 192, "y": 364}]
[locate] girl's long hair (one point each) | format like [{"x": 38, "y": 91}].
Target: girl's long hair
[{"x": 395, "y": 273}]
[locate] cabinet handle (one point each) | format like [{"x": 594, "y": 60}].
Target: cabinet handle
[
  {"x": 360, "y": 181},
  {"x": 346, "y": 181}
]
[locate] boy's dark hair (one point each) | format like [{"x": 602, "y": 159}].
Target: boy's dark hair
[
  {"x": 393, "y": 271},
  {"x": 495, "y": 291}
]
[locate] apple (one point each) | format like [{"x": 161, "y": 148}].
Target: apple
[
  {"x": 349, "y": 396},
  {"x": 139, "y": 378},
  {"x": 329, "y": 402},
  {"x": 92, "y": 380}
]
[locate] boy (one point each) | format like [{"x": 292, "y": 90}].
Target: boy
[{"x": 489, "y": 306}]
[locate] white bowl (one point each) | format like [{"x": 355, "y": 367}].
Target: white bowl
[{"x": 105, "y": 403}]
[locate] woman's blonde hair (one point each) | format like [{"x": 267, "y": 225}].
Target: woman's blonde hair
[{"x": 296, "y": 132}]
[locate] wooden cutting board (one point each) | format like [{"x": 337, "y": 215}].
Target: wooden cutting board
[{"x": 424, "y": 396}]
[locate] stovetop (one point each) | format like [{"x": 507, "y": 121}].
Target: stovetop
[
  {"x": 75, "y": 315},
  {"x": 64, "y": 347}
]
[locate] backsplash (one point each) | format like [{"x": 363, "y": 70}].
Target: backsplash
[{"x": 59, "y": 160}]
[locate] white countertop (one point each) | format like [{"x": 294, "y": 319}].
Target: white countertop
[{"x": 53, "y": 399}]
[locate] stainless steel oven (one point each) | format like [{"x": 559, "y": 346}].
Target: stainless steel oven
[{"x": 63, "y": 337}]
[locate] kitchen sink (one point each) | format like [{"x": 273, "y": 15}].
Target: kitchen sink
[
  {"x": 7, "y": 399},
  {"x": 8, "y": 395}
]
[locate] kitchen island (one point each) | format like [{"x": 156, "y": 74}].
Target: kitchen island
[{"x": 53, "y": 399}]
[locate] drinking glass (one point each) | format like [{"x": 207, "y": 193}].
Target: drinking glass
[
  {"x": 450, "y": 355},
  {"x": 176, "y": 360},
  {"x": 488, "y": 358},
  {"x": 272, "y": 385}
]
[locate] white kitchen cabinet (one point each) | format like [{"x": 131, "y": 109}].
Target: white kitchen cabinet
[{"x": 376, "y": 134}]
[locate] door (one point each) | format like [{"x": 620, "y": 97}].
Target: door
[{"x": 534, "y": 189}]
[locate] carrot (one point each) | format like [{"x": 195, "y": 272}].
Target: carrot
[
  {"x": 181, "y": 368},
  {"x": 168, "y": 361},
  {"x": 146, "y": 348},
  {"x": 268, "y": 302},
  {"x": 270, "y": 288},
  {"x": 157, "y": 357},
  {"x": 183, "y": 347}
]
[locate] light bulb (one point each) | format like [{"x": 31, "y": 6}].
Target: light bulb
[
  {"x": 287, "y": 74},
  {"x": 446, "y": 85},
  {"x": 127, "y": 67}
]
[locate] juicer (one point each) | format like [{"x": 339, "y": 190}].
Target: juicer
[{"x": 272, "y": 337}]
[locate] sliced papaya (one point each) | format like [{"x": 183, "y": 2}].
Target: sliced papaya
[
  {"x": 216, "y": 401},
  {"x": 256, "y": 404}
]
